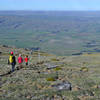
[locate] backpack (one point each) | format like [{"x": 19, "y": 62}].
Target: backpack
[
  {"x": 11, "y": 59},
  {"x": 20, "y": 60}
]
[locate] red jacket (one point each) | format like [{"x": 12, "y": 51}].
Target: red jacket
[
  {"x": 26, "y": 59},
  {"x": 20, "y": 60}
]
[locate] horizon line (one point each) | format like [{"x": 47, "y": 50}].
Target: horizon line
[{"x": 51, "y": 10}]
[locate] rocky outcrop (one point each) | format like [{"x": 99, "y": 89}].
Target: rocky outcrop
[{"x": 65, "y": 85}]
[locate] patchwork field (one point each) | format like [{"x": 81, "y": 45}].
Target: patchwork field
[{"x": 60, "y": 33}]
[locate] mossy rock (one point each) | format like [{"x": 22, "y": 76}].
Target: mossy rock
[
  {"x": 58, "y": 68},
  {"x": 84, "y": 69},
  {"x": 54, "y": 59},
  {"x": 51, "y": 79}
]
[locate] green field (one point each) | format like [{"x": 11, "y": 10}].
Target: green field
[{"x": 60, "y": 33}]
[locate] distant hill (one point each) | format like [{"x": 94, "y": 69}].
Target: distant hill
[{"x": 58, "y": 32}]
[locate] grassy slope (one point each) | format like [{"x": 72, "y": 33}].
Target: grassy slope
[{"x": 31, "y": 82}]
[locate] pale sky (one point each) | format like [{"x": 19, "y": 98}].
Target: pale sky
[{"x": 50, "y": 5}]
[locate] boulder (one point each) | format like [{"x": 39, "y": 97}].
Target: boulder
[
  {"x": 65, "y": 85},
  {"x": 51, "y": 66}
]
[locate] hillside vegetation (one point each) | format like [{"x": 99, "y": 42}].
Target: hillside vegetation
[{"x": 50, "y": 77}]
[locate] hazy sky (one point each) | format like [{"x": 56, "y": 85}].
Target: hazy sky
[{"x": 49, "y": 4}]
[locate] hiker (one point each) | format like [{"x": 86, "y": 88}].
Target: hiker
[
  {"x": 20, "y": 61},
  {"x": 12, "y": 61},
  {"x": 26, "y": 60},
  {"x": 31, "y": 52}
]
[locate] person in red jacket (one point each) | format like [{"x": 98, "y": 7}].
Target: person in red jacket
[
  {"x": 20, "y": 61},
  {"x": 26, "y": 60}
]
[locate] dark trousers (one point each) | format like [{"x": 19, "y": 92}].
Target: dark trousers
[
  {"x": 26, "y": 63},
  {"x": 13, "y": 67}
]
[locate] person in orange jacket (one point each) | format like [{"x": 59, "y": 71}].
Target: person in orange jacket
[{"x": 26, "y": 59}]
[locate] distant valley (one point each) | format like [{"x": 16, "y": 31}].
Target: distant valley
[{"x": 59, "y": 32}]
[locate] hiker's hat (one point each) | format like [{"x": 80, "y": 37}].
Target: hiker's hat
[
  {"x": 11, "y": 52},
  {"x": 20, "y": 55}
]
